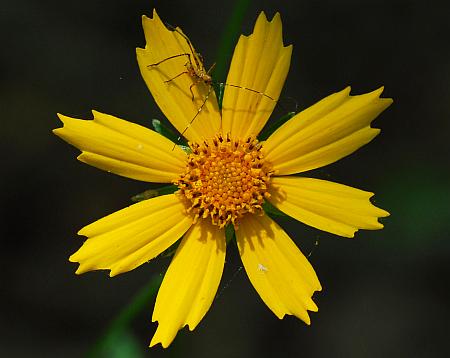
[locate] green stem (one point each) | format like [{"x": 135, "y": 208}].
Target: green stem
[
  {"x": 229, "y": 39},
  {"x": 121, "y": 323}
]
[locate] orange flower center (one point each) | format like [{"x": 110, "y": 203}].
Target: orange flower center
[{"x": 225, "y": 179}]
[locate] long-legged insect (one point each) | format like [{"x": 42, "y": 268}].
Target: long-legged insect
[
  {"x": 194, "y": 69},
  {"x": 197, "y": 71}
]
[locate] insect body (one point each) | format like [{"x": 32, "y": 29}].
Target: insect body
[{"x": 194, "y": 69}]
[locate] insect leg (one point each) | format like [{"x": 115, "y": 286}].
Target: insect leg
[
  {"x": 182, "y": 73},
  {"x": 196, "y": 115},
  {"x": 173, "y": 28},
  {"x": 169, "y": 58},
  {"x": 190, "y": 88}
]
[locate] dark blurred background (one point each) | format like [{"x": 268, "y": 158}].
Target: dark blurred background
[{"x": 385, "y": 293}]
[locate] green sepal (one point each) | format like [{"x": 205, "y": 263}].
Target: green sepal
[
  {"x": 152, "y": 193},
  {"x": 170, "y": 251},
  {"x": 272, "y": 210},
  {"x": 278, "y": 123},
  {"x": 219, "y": 90},
  {"x": 168, "y": 133},
  {"x": 230, "y": 234},
  {"x": 118, "y": 340}
]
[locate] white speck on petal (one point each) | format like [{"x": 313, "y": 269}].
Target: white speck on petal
[
  {"x": 140, "y": 146},
  {"x": 262, "y": 268}
]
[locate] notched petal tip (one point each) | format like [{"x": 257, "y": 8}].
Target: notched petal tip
[
  {"x": 380, "y": 213},
  {"x": 386, "y": 101},
  {"x": 61, "y": 116},
  {"x": 64, "y": 120},
  {"x": 81, "y": 157},
  {"x": 113, "y": 273},
  {"x": 318, "y": 288},
  {"x": 155, "y": 341},
  {"x": 57, "y": 131},
  {"x": 81, "y": 271},
  {"x": 150, "y": 24},
  {"x": 96, "y": 114},
  {"x": 82, "y": 232},
  {"x": 262, "y": 17},
  {"x": 155, "y": 16}
]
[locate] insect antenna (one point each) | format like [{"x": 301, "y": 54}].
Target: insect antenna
[
  {"x": 251, "y": 90},
  {"x": 197, "y": 57},
  {"x": 277, "y": 101}
]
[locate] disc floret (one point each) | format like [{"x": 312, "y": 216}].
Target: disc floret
[{"x": 224, "y": 179}]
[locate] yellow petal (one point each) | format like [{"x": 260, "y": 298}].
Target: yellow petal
[
  {"x": 325, "y": 132},
  {"x": 260, "y": 63},
  {"x": 123, "y": 148},
  {"x": 132, "y": 236},
  {"x": 277, "y": 269},
  {"x": 190, "y": 283},
  {"x": 174, "y": 98},
  {"x": 328, "y": 206}
]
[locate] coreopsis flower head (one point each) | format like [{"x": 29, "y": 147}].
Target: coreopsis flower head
[{"x": 225, "y": 177}]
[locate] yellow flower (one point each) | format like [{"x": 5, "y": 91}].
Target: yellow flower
[{"x": 225, "y": 178}]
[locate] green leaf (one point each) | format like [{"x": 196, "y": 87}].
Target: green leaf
[
  {"x": 272, "y": 210},
  {"x": 152, "y": 193},
  {"x": 278, "y": 123}
]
